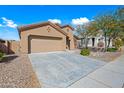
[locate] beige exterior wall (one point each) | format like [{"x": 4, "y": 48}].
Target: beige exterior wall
[
  {"x": 68, "y": 30},
  {"x": 48, "y": 44},
  {"x": 10, "y": 47},
  {"x": 75, "y": 41},
  {"x": 15, "y": 46}
]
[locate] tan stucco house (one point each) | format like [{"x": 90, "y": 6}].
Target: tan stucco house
[{"x": 46, "y": 37}]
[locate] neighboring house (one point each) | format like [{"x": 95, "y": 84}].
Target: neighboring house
[
  {"x": 93, "y": 41},
  {"x": 45, "y": 37}
]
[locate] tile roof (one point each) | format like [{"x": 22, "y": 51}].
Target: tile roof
[{"x": 37, "y": 25}]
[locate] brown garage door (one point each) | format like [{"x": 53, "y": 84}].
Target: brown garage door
[{"x": 45, "y": 44}]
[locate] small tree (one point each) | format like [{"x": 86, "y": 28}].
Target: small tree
[
  {"x": 87, "y": 30},
  {"x": 120, "y": 17},
  {"x": 108, "y": 24}
]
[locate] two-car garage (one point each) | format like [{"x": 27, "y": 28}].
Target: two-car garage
[{"x": 44, "y": 44}]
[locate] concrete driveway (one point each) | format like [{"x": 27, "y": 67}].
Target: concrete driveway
[{"x": 62, "y": 69}]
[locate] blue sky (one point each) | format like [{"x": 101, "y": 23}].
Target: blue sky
[{"x": 13, "y": 16}]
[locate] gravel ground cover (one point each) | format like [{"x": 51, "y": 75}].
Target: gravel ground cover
[
  {"x": 108, "y": 56},
  {"x": 103, "y": 56},
  {"x": 16, "y": 72}
]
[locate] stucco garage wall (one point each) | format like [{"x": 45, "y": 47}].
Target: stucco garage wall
[{"x": 48, "y": 31}]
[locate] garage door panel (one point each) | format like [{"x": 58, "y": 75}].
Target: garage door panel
[{"x": 46, "y": 44}]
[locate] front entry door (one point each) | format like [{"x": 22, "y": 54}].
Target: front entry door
[{"x": 67, "y": 43}]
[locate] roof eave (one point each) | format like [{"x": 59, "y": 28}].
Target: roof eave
[{"x": 33, "y": 26}]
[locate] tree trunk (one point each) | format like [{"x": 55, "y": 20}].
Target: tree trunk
[
  {"x": 105, "y": 42},
  {"x": 86, "y": 42},
  {"x": 108, "y": 42}
]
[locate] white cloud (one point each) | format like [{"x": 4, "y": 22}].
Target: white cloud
[
  {"x": 55, "y": 20},
  {"x": 1, "y": 25},
  {"x": 80, "y": 21},
  {"x": 9, "y": 23}
]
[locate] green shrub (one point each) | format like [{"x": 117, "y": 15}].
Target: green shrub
[
  {"x": 1, "y": 56},
  {"x": 118, "y": 43},
  {"x": 85, "y": 52},
  {"x": 112, "y": 49}
]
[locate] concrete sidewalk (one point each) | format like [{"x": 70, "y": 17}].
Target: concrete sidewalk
[{"x": 110, "y": 75}]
